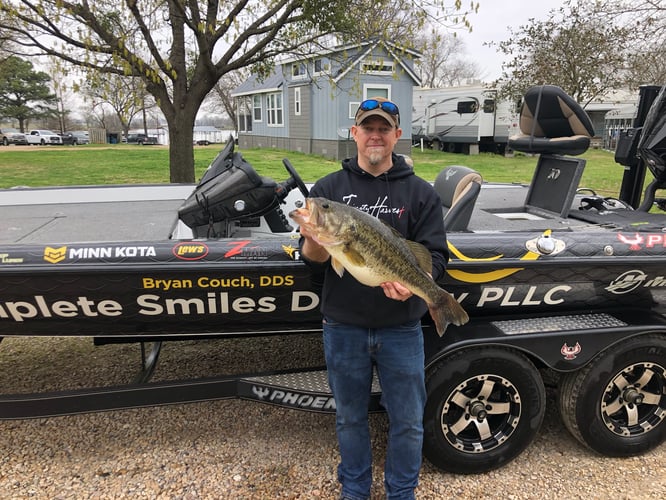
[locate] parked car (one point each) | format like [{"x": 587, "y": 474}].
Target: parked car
[
  {"x": 11, "y": 136},
  {"x": 43, "y": 137},
  {"x": 141, "y": 139},
  {"x": 82, "y": 136},
  {"x": 75, "y": 138}
]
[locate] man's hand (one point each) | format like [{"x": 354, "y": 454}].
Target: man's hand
[
  {"x": 394, "y": 290},
  {"x": 311, "y": 249}
]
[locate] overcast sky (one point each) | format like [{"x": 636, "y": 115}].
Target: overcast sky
[{"x": 490, "y": 24}]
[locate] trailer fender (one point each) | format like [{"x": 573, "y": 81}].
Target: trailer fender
[{"x": 572, "y": 342}]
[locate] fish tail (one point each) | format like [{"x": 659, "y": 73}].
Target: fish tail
[{"x": 446, "y": 310}]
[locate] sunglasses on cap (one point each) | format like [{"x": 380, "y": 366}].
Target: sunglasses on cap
[{"x": 386, "y": 106}]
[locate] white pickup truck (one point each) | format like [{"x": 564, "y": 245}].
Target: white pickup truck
[{"x": 42, "y": 137}]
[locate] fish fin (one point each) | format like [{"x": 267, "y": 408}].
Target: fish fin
[
  {"x": 354, "y": 256},
  {"x": 337, "y": 267},
  {"x": 422, "y": 254},
  {"x": 445, "y": 311}
]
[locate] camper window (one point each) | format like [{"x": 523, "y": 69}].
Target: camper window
[
  {"x": 467, "y": 107},
  {"x": 489, "y": 106}
]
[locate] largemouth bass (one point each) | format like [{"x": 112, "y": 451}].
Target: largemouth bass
[{"x": 374, "y": 253}]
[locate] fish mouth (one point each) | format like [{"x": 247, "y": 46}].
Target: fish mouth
[
  {"x": 306, "y": 214},
  {"x": 312, "y": 208}
]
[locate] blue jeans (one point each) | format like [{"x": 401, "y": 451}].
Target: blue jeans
[{"x": 397, "y": 352}]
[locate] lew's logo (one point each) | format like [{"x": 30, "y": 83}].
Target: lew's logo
[
  {"x": 190, "y": 251},
  {"x": 55, "y": 255}
]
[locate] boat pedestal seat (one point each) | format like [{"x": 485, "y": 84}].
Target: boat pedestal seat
[{"x": 552, "y": 122}]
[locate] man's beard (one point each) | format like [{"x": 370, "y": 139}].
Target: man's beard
[{"x": 375, "y": 158}]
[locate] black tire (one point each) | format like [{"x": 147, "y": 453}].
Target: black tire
[
  {"x": 616, "y": 404},
  {"x": 485, "y": 406},
  {"x": 436, "y": 144},
  {"x": 5, "y": 141}
]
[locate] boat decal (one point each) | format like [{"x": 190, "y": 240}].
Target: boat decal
[
  {"x": 242, "y": 250},
  {"x": 633, "y": 242},
  {"x": 638, "y": 241},
  {"x": 55, "y": 255},
  {"x": 190, "y": 250},
  {"x": 290, "y": 251},
  {"x": 6, "y": 258},
  {"x": 111, "y": 253},
  {"x": 485, "y": 277},
  {"x": 630, "y": 280},
  {"x": 462, "y": 256},
  {"x": 570, "y": 353}
]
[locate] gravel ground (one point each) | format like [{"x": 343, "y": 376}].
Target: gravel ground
[{"x": 245, "y": 450}]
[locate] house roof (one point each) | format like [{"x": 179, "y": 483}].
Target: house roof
[
  {"x": 390, "y": 49},
  {"x": 275, "y": 81},
  {"x": 254, "y": 85}
]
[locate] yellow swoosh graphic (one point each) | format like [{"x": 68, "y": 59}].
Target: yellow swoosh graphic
[{"x": 468, "y": 277}]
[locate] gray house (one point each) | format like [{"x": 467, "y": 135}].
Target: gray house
[{"x": 308, "y": 104}]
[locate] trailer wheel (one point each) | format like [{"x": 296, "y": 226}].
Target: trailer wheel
[
  {"x": 436, "y": 144},
  {"x": 616, "y": 405},
  {"x": 484, "y": 407}
]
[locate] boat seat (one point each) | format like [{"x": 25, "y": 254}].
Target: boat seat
[
  {"x": 458, "y": 187},
  {"x": 552, "y": 122}
]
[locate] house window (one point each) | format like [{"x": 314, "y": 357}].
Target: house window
[
  {"x": 353, "y": 107},
  {"x": 374, "y": 90},
  {"x": 297, "y": 102},
  {"x": 320, "y": 66},
  {"x": 256, "y": 108},
  {"x": 274, "y": 110},
  {"x": 298, "y": 71},
  {"x": 244, "y": 114},
  {"x": 378, "y": 67}
]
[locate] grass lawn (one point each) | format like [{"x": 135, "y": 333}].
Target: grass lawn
[{"x": 130, "y": 164}]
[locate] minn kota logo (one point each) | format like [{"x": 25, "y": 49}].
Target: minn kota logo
[{"x": 55, "y": 255}]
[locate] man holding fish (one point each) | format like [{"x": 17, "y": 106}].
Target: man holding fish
[{"x": 377, "y": 286}]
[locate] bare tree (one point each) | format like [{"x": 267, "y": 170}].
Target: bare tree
[
  {"x": 126, "y": 96},
  {"x": 223, "y": 90},
  {"x": 181, "y": 48},
  {"x": 442, "y": 62}
]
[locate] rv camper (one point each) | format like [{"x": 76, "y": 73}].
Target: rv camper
[{"x": 462, "y": 120}]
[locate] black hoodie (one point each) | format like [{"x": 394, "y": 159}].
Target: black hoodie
[{"x": 406, "y": 202}]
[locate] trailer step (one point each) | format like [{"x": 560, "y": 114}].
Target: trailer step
[
  {"x": 309, "y": 381},
  {"x": 558, "y": 323},
  {"x": 305, "y": 390}
]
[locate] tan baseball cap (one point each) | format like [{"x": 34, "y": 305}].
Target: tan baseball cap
[{"x": 378, "y": 106}]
